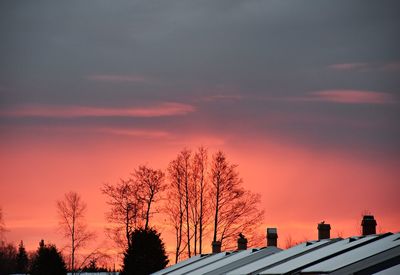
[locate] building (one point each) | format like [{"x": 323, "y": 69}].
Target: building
[{"x": 369, "y": 253}]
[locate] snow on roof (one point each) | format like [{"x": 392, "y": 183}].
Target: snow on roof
[
  {"x": 343, "y": 256},
  {"x": 203, "y": 261},
  {"x": 179, "y": 264},
  {"x": 224, "y": 261},
  {"x": 234, "y": 260},
  {"x": 277, "y": 257},
  {"x": 356, "y": 254},
  {"x": 316, "y": 255}
]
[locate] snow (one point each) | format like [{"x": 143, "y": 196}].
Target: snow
[
  {"x": 179, "y": 264},
  {"x": 199, "y": 263},
  {"x": 279, "y": 256},
  {"x": 356, "y": 254},
  {"x": 225, "y": 261},
  {"x": 316, "y": 255}
]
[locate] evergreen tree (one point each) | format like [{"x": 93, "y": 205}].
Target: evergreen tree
[
  {"x": 146, "y": 254},
  {"x": 8, "y": 254},
  {"x": 22, "y": 259},
  {"x": 48, "y": 261}
]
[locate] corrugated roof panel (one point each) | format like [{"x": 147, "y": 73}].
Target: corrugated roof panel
[
  {"x": 356, "y": 254},
  {"x": 224, "y": 261},
  {"x": 237, "y": 258},
  {"x": 202, "y": 262},
  {"x": 278, "y": 257},
  {"x": 262, "y": 253},
  {"x": 179, "y": 264},
  {"x": 313, "y": 256}
]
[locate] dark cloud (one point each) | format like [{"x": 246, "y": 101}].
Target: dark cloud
[{"x": 126, "y": 53}]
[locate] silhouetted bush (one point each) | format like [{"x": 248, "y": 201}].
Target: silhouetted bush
[
  {"x": 146, "y": 254},
  {"x": 48, "y": 261},
  {"x": 92, "y": 267}
]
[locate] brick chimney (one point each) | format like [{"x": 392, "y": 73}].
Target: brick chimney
[
  {"x": 241, "y": 242},
  {"x": 216, "y": 247},
  {"x": 324, "y": 231},
  {"x": 272, "y": 237},
  {"x": 368, "y": 225}
]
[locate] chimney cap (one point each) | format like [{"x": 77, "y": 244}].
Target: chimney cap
[
  {"x": 368, "y": 219},
  {"x": 272, "y": 230},
  {"x": 323, "y": 225}
]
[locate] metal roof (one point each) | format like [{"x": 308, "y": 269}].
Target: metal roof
[{"x": 372, "y": 254}]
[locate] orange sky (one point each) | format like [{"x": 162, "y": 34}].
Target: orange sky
[{"x": 300, "y": 185}]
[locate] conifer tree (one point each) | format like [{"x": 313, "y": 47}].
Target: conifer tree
[
  {"x": 48, "y": 261},
  {"x": 22, "y": 259},
  {"x": 146, "y": 254}
]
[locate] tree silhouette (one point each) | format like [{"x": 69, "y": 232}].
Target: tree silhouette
[
  {"x": 125, "y": 210},
  {"x": 8, "y": 255},
  {"x": 151, "y": 182},
  {"x": 22, "y": 259},
  {"x": 71, "y": 211},
  {"x": 201, "y": 192},
  {"x": 146, "y": 255},
  {"x": 199, "y": 189},
  {"x": 235, "y": 209},
  {"x": 176, "y": 205},
  {"x": 48, "y": 261},
  {"x": 2, "y": 226},
  {"x": 132, "y": 202}
]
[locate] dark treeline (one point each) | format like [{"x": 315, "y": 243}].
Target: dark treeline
[
  {"x": 46, "y": 260},
  {"x": 200, "y": 196}
]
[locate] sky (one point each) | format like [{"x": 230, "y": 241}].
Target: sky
[{"x": 303, "y": 96}]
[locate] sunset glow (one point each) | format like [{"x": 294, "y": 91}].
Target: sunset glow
[{"x": 313, "y": 129}]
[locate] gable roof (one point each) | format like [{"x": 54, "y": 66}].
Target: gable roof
[{"x": 370, "y": 254}]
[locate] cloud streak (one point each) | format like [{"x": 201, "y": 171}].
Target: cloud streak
[
  {"x": 160, "y": 110},
  {"x": 366, "y": 67},
  {"x": 117, "y": 78},
  {"x": 352, "y": 97},
  {"x": 350, "y": 66},
  {"x": 219, "y": 97}
]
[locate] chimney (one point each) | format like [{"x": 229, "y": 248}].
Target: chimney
[
  {"x": 216, "y": 246},
  {"x": 272, "y": 237},
  {"x": 241, "y": 242},
  {"x": 324, "y": 231},
  {"x": 368, "y": 225}
]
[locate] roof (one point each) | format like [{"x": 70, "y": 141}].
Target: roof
[{"x": 372, "y": 254}]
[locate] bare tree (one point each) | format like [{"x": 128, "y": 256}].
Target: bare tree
[
  {"x": 71, "y": 211},
  {"x": 235, "y": 209},
  {"x": 151, "y": 184},
  {"x": 186, "y": 158},
  {"x": 2, "y": 225},
  {"x": 199, "y": 188},
  {"x": 175, "y": 206},
  {"x": 125, "y": 212}
]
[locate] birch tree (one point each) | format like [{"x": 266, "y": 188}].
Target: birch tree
[
  {"x": 175, "y": 207},
  {"x": 151, "y": 184},
  {"x": 199, "y": 189},
  {"x": 126, "y": 209},
  {"x": 235, "y": 209},
  {"x": 71, "y": 211}
]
